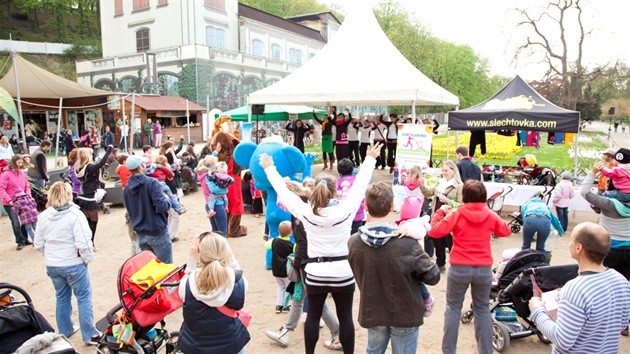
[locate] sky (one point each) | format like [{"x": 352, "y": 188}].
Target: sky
[{"x": 489, "y": 27}]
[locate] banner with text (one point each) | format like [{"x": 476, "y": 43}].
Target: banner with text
[{"x": 413, "y": 147}]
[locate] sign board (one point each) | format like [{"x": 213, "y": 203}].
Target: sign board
[
  {"x": 413, "y": 146},
  {"x": 151, "y": 69}
]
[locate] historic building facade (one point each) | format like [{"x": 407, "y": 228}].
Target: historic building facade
[{"x": 199, "y": 49}]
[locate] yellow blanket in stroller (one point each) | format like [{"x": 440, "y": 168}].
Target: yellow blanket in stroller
[{"x": 151, "y": 273}]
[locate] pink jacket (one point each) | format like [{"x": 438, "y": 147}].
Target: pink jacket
[
  {"x": 201, "y": 177},
  {"x": 562, "y": 194},
  {"x": 620, "y": 176},
  {"x": 9, "y": 182}
]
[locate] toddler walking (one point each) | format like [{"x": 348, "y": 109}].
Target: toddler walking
[
  {"x": 257, "y": 199},
  {"x": 218, "y": 182},
  {"x": 160, "y": 171},
  {"x": 417, "y": 228},
  {"x": 26, "y": 208},
  {"x": 561, "y": 198},
  {"x": 281, "y": 247}
]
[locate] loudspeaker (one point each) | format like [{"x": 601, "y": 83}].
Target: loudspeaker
[
  {"x": 611, "y": 111},
  {"x": 258, "y": 109}
]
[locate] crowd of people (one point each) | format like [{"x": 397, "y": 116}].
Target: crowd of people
[{"x": 338, "y": 238}]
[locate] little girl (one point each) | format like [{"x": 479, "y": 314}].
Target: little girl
[
  {"x": 257, "y": 202},
  {"x": 620, "y": 176},
  {"x": 412, "y": 182},
  {"x": 417, "y": 228},
  {"x": 218, "y": 183},
  {"x": 160, "y": 171},
  {"x": 561, "y": 198},
  {"x": 26, "y": 208}
]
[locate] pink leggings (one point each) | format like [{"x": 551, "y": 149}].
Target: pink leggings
[{"x": 158, "y": 140}]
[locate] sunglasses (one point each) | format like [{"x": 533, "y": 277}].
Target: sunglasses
[{"x": 204, "y": 234}]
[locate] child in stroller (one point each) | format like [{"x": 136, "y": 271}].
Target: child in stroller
[
  {"x": 511, "y": 294},
  {"x": 537, "y": 175},
  {"x": 148, "y": 292}
]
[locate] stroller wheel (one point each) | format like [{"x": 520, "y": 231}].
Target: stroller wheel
[
  {"x": 171, "y": 345},
  {"x": 467, "y": 317},
  {"x": 105, "y": 175},
  {"x": 542, "y": 337},
  {"x": 500, "y": 336},
  {"x": 515, "y": 228}
]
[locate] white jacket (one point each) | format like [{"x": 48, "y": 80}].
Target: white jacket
[
  {"x": 366, "y": 134},
  {"x": 64, "y": 237}
]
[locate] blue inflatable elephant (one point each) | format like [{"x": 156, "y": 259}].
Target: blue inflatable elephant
[{"x": 289, "y": 162}]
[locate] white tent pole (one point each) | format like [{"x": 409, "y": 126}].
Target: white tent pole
[
  {"x": 19, "y": 100},
  {"x": 575, "y": 156},
  {"x": 413, "y": 112},
  {"x": 210, "y": 119},
  {"x": 249, "y": 111},
  {"x": 58, "y": 130},
  {"x": 187, "y": 120},
  {"x": 124, "y": 118},
  {"x": 132, "y": 120}
]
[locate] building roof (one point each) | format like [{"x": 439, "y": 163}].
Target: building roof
[
  {"x": 313, "y": 17},
  {"x": 165, "y": 103},
  {"x": 276, "y": 21}
]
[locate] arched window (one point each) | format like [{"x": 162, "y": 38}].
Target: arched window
[
  {"x": 257, "y": 47},
  {"x": 276, "y": 51},
  {"x": 295, "y": 56},
  {"x": 215, "y": 37},
  {"x": 142, "y": 40}
]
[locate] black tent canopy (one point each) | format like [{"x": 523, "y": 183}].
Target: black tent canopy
[{"x": 516, "y": 107}]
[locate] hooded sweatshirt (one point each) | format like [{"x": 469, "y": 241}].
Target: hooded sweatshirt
[
  {"x": 64, "y": 237},
  {"x": 11, "y": 182},
  {"x": 147, "y": 206},
  {"x": 472, "y": 225}
]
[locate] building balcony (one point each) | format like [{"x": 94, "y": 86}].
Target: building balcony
[{"x": 185, "y": 54}]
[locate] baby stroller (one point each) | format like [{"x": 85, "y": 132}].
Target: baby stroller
[
  {"x": 148, "y": 292},
  {"x": 495, "y": 202},
  {"x": 20, "y": 322},
  {"x": 517, "y": 219},
  {"x": 40, "y": 195}
]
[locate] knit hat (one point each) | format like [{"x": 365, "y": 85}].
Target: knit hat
[
  {"x": 623, "y": 155},
  {"x": 133, "y": 162},
  {"x": 566, "y": 175},
  {"x": 411, "y": 207}
]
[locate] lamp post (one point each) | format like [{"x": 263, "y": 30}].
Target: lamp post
[{"x": 611, "y": 113}]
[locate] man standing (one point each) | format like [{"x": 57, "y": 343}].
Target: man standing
[
  {"x": 609, "y": 159},
  {"x": 148, "y": 210},
  {"x": 39, "y": 172},
  {"x": 124, "y": 134},
  {"x": 388, "y": 270},
  {"x": 467, "y": 168},
  {"x": 594, "y": 307},
  {"x": 148, "y": 131}
]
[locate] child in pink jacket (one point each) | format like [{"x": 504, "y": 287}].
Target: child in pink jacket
[{"x": 561, "y": 198}]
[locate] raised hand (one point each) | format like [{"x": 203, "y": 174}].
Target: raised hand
[
  {"x": 375, "y": 150},
  {"x": 265, "y": 160}
]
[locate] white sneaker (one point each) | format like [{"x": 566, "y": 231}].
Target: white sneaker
[
  {"x": 321, "y": 323},
  {"x": 333, "y": 344},
  {"x": 75, "y": 328},
  {"x": 428, "y": 307},
  {"x": 281, "y": 336},
  {"x": 304, "y": 317}
]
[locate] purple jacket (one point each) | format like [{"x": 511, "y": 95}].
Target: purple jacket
[
  {"x": 343, "y": 185},
  {"x": 25, "y": 206},
  {"x": 76, "y": 182}
]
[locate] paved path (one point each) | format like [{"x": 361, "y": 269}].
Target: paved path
[{"x": 618, "y": 139}]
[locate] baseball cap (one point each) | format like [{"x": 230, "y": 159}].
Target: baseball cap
[
  {"x": 133, "y": 162},
  {"x": 566, "y": 175},
  {"x": 610, "y": 151}
]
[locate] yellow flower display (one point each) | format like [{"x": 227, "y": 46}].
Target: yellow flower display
[{"x": 497, "y": 146}]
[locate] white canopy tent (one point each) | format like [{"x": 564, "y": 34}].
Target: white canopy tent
[{"x": 359, "y": 66}]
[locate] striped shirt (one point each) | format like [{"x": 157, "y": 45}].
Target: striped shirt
[{"x": 592, "y": 310}]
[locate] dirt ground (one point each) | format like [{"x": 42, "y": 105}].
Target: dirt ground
[{"x": 26, "y": 269}]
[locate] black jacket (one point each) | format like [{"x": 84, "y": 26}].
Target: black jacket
[{"x": 468, "y": 170}]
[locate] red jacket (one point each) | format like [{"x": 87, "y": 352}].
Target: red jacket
[
  {"x": 162, "y": 174},
  {"x": 124, "y": 174},
  {"x": 234, "y": 194},
  {"x": 472, "y": 225}
]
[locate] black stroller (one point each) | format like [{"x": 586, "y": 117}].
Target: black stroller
[
  {"x": 510, "y": 298},
  {"x": 20, "y": 322},
  {"x": 40, "y": 195}
]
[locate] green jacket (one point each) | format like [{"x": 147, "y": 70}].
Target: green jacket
[{"x": 148, "y": 128}]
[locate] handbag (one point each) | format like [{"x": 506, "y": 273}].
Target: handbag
[
  {"x": 242, "y": 315},
  {"x": 292, "y": 273}
]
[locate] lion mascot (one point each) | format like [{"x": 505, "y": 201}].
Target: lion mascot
[
  {"x": 289, "y": 162},
  {"x": 235, "y": 197}
]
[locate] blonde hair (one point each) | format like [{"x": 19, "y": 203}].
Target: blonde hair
[
  {"x": 161, "y": 160},
  {"x": 284, "y": 228},
  {"x": 209, "y": 162},
  {"x": 222, "y": 167},
  {"x": 84, "y": 157},
  {"x": 298, "y": 189},
  {"x": 215, "y": 257},
  {"x": 415, "y": 172},
  {"x": 324, "y": 190},
  {"x": 309, "y": 183},
  {"x": 167, "y": 145},
  {"x": 453, "y": 166},
  {"x": 59, "y": 195}
]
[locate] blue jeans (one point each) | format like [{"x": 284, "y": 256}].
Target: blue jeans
[
  {"x": 424, "y": 291},
  {"x": 619, "y": 259},
  {"x": 30, "y": 230},
  {"x": 160, "y": 245},
  {"x": 149, "y": 138},
  {"x": 563, "y": 217},
  {"x": 18, "y": 231},
  {"x": 123, "y": 144},
  {"x": 404, "y": 339},
  {"x": 40, "y": 182},
  {"x": 219, "y": 220},
  {"x": 174, "y": 202},
  {"x": 536, "y": 224},
  {"x": 619, "y": 195},
  {"x": 67, "y": 280},
  {"x": 458, "y": 279}
]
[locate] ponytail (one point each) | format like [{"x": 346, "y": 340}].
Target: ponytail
[
  {"x": 214, "y": 275},
  {"x": 324, "y": 190},
  {"x": 215, "y": 259}
]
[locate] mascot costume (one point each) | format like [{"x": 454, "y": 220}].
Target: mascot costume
[
  {"x": 235, "y": 197},
  {"x": 289, "y": 161}
]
